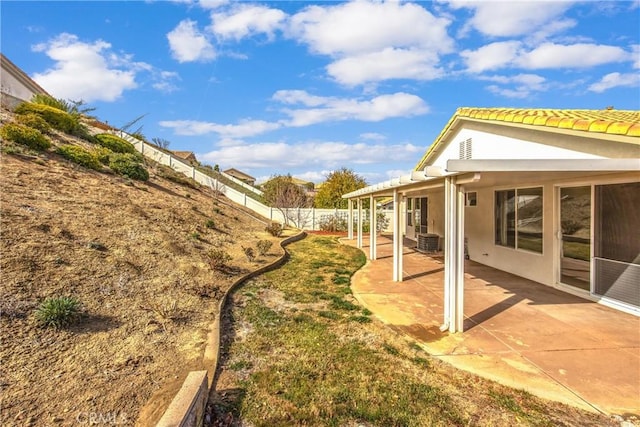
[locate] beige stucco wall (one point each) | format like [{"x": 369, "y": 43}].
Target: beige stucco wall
[
  {"x": 542, "y": 268},
  {"x": 12, "y": 86}
]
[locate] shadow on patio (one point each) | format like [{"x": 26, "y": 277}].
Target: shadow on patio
[{"x": 517, "y": 332}]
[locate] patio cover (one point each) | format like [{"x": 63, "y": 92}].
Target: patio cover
[{"x": 453, "y": 178}]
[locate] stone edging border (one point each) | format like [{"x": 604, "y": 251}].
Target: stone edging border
[{"x": 187, "y": 407}]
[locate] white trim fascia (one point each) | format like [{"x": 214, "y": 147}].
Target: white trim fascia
[{"x": 543, "y": 165}]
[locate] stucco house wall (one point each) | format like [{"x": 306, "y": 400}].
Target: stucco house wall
[{"x": 16, "y": 85}]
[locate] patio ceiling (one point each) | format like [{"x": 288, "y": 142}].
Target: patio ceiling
[{"x": 494, "y": 171}]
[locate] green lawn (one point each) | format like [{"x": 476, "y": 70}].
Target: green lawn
[{"x": 303, "y": 352}]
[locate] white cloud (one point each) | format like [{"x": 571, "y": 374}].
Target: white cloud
[
  {"x": 372, "y": 136},
  {"x": 212, "y": 4},
  {"x": 361, "y": 26},
  {"x": 546, "y": 56},
  {"x": 491, "y": 56},
  {"x": 164, "y": 81},
  {"x": 280, "y": 155},
  {"x": 389, "y": 63},
  {"x": 337, "y": 109},
  {"x": 516, "y": 18},
  {"x": 82, "y": 71},
  {"x": 579, "y": 55},
  {"x": 322, "y": 109},
  {"x": 246, "y": 20},
  {"x": 612, "y": 80},
  {"x": 371, "y": 41},
  {"x": 521, "y": 85},
  {"x": 243, "y": 129},
  {"x": 188, "y": 44},
  {"x": 636, "y": 54}
]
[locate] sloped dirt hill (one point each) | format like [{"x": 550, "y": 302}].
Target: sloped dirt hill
[{"x": 133, "y": 254}]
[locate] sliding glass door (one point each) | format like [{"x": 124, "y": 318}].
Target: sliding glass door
[
  {"x": 617, "y": 242},
  {"x": 575, "y": 249}
]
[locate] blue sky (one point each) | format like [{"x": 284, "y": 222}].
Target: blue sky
[{"x": 309, "y": 87}]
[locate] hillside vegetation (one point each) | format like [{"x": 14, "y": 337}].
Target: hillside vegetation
[{"x": 144, "y": 252}]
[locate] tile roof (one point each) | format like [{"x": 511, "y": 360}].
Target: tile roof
[
  {"x": 609, "y": 121},
  {"x": 617, "y": 122}
]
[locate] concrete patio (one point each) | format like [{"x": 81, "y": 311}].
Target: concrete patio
[{"x": 517, "y": 332}]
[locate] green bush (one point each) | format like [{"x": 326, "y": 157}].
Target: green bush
[
  {"x": 34, "y": 121},
  {"x": 115, "y": 143},
  {"x": 102, "y": 154},
  {"x": 129, "y": 166},
  {"x": 60, "y": 104},
  {"x": 58, "y": 119},
  {"x": 80, "y": 156},
  {"x": 58, "y": 312},
  {"x": 24, "y": 135}
]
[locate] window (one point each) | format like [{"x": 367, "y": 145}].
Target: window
[
  {"x": 518, "y": 215},
  {"x": 471, "y": 199},
  {"x": 409, "y": 212}
]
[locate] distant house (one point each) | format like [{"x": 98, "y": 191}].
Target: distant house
[
  {"x": 241, "y": 176},
  {"x": 549, "y": 195},
  {"x": 186, "y": 155},
  {"x": 17, "y": 86}
]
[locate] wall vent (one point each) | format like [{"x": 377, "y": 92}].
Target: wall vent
[{"x": 465, "y": 149}]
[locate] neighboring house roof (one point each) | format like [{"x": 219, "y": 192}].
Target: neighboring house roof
[
  {"x": 20, "y": 76},
  {"x": 239, "y": 174},
  {"x": 186, "y": 155},
  {"x": 612, "y": 122},
  {"x": 300, "y": 182}
]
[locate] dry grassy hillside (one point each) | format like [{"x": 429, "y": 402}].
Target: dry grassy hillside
[{"x": 135, "y": 255}]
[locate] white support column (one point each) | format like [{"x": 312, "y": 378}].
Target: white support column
[
  {"x": 359, "y": 244},
  {"x": 397, "y": 238},
  {"x": 372, "y": 228},
  {"x": 454, "y": 257},
  {"x": 350, "y": 220},
  {"x": 459, "y": 317}
]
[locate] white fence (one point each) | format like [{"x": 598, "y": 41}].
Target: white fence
[{"x": 302, "y": 218}]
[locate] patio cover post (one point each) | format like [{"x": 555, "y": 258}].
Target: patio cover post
[
  {"x": 397, "y": 238},
  {"x": 359, "y": 244},
  {"x": 349, "y": 220},
  {"x": 372, "y": 228},
  {"x": 454, "y": 256}
]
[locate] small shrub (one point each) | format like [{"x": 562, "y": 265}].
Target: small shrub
[
  {"x": 249, "y": 253},
  {"x": 210, "y": 223},
  {"x": 274, "y": 229},
  {"x": 195, "y": 235},
  {"x": 103, "y": 154},
  {"x": 332, "y": 223},
  {"x": 58, "y": 312},
  {"x": 79, "y": 155},
  {"x": 128, "y": 165},
  {"x": 115, "y": 143},
  {"x": 263, "y": 247},
  {"x": 360, "y": 319},
  {"x": 34, "y": 121},
  {"x": 58, "y": 119},
  {"x": 24, "y": 135},
  {"x": 218, "y": 259},
  {"x": 329, "y": 315},
  {"x": 96, "y": 246}
]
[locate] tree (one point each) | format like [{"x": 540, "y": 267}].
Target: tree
[
  {"x": 282, "y": 193},
  {"x": 337, "y": 183},
  {"x": 161, "y": 142}
]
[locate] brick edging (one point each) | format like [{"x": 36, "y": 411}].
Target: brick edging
[{"x": 184, "y": 409}]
